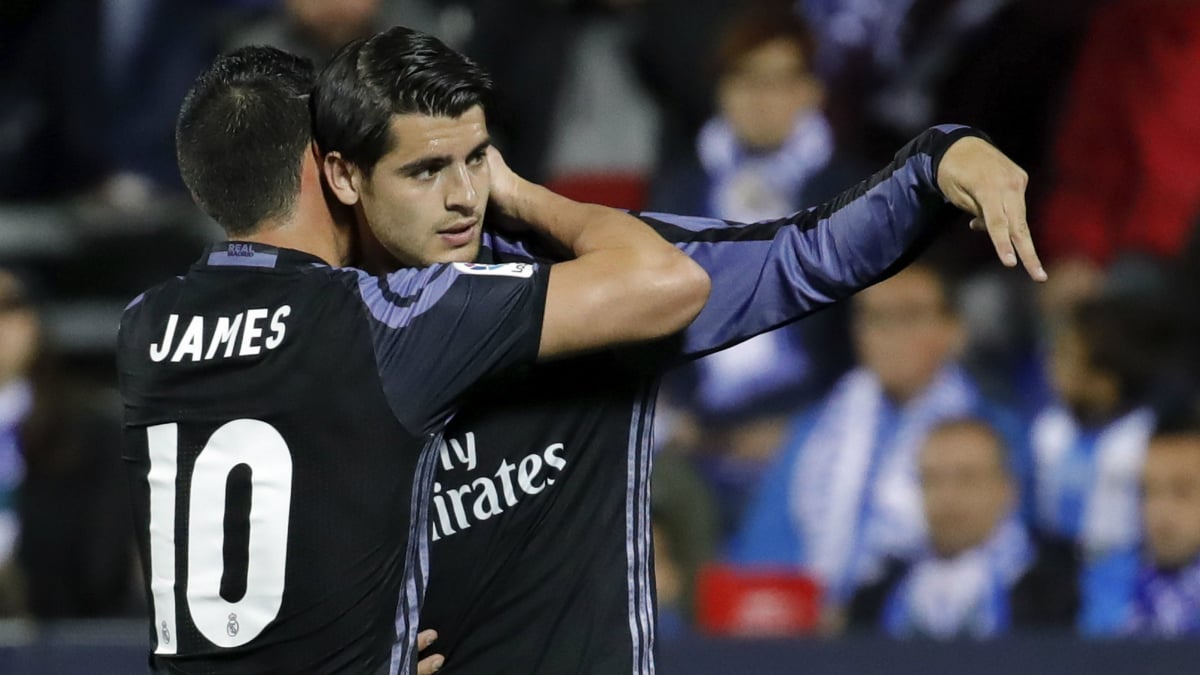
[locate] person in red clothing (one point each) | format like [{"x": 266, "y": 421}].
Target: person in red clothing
[{"x": 1127, "y": 159}]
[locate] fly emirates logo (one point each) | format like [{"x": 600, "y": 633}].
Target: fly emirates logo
[{"x": 488, "y": 496}]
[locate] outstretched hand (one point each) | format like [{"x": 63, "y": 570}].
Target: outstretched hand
[{"x": 981, "y": 180}]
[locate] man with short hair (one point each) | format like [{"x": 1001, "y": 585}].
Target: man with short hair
[
  {"x": 541, "y": 524},
  {"x": 283, "y": 416},
  {"x": 1155, "y": 590},
  {"x": 982, "y": 573},
  {"x": 842, "y": 494}
]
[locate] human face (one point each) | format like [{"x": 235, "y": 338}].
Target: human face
[
  {"x": 425, "y": 199},
  {"x": 334, "y": 23},
  {"x": 1171, "y": 500},
  {"x": 18, "y": 331},
  {"x": 1088, "y": 391},
  {"x": 964, "y": 486},
  {"x": 764, "y": 93},
  {"x": 904, "y": 332}
]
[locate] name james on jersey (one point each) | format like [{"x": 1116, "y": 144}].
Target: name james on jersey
[{"x": 241, "y": 335}]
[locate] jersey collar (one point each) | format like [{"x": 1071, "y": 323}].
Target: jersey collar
[{"x": 251, "y": 254}]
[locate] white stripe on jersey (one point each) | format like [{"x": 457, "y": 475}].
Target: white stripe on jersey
[
  {"x": 416, "y": 560},
  {"x": 639, "y": 534},
  {"x": 635, "y": 632},
  {"x": 646, "y": 450}
]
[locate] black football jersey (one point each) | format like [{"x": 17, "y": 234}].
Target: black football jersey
[
  {"x": 542, "y": 559},
  {"x": 283, "y": 421}
]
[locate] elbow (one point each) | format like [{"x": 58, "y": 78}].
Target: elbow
[
  {"x": 697, "y": 286},
  {"x": 683, "y": 288}
]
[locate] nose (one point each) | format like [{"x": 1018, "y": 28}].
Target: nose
[{"x": 460, "y": 190}]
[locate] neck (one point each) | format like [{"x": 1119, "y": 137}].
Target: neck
[
  {"x": 901, "y": 395},
  {"x": 312, "y": 226},
  {"x": 1174, "y": 567},
  {"x": 300, "y": 234}
]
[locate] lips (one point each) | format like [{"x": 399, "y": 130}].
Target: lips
[{"x": 459, "y": 234}]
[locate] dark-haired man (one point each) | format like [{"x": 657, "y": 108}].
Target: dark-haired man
[
  {"x": 1153, "y": 589},
  {"x": 283, "y": 416},
  {"x": 542, "y": 553},
  {"x": 983, "y": 573}
]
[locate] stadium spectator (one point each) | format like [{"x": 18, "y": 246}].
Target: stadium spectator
[
  {"x": 313, "y": 29},
  {"x": 982, "y": 574},
  {"x": 769, "y": 149},
  {"x": 896, "y": 65},
  {"x": 1134, "y": 92},
  {"x": 64, "y": 510},
  {"x": 843, "y": 495},
  {"x": 88, "y": 99},
  {"x": 1088, "y": 445},
  {"x": 576, "y": 120},
  {"x": 685, "y": 537},
  {"x": 1155, "y": 590},
  {"x": 18, "y": 337},
  {"x": 768, "y": 152}
]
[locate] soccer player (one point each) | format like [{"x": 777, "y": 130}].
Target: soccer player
[
  {"x": 541, "y": 514},
  {"x": 283, "y": 416}
]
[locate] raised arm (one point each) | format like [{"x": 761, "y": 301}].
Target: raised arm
[
  {"x": 624, "y": 283},
  {"x": 771, "y": 273}
]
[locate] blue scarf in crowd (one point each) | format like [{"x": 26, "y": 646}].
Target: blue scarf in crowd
[
  {"x": 1167, "y": 603},
  {"x": 750, "y": 187},
  {"x": 1087, "y": 481},
  {"x": 967, "y": 595},
  {"x": 855, "y": 496}
]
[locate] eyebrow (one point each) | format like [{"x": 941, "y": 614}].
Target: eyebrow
[{"x": 436, "y": 162}]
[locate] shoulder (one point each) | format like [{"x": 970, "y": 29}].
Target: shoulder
[{"x": 147, "y": 308}]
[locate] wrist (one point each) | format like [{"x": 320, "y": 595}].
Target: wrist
[
  {"x": 521, "y": 201},
  {"x": 950, "y": 134}
]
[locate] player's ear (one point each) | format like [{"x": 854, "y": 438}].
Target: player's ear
[{"x": 344, "y": 178}]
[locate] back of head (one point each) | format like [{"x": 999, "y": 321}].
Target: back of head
[
  {"x": 241, "y": 136},
  {"x": 399, "y": 71}
]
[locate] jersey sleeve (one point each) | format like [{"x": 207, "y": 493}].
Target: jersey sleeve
[
  {"x": 441, "y": 329},
  {"x": 774, "y": 272}
]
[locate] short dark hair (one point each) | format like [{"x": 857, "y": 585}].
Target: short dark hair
[
  {"x": 763, "y": 23},
  {"x": 1133, "y": 339},
  {"x": 1004, "y": 457},
  {"x": 396, "y": 72},
  {"x": 241, "y": 136}
]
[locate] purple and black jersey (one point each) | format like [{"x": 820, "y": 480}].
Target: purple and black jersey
[
  {"x": 542, "y": 559},
  {"x": 282, "y": 426}
]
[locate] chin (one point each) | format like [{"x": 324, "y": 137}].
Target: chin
[{"x": 464, "y": 254}]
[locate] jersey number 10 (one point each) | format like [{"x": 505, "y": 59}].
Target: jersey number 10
[{"x": 225, "y": 624}]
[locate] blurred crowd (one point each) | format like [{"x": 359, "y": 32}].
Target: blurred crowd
[{"x": 955, "y": 452}]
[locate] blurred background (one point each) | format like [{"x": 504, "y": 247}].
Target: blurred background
[{"x": 957, "y": 470}]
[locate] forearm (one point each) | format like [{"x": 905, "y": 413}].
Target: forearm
[
  {"x": 774, "y": 272},
  {"x": 625, "y": 283},
  {"x": 581, "y": 228}
]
